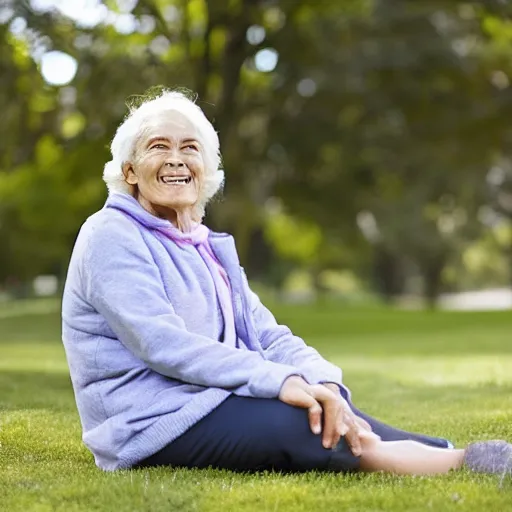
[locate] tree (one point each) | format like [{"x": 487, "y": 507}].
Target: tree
[{"x": 345, "y": 111}]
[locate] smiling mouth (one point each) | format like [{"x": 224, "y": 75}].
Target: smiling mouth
[{"x": 175, "y": 180}]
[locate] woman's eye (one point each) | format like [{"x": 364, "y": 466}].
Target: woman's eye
[
  {"x": 158, "y": 146},
  {"x": 193, "y": 147}
]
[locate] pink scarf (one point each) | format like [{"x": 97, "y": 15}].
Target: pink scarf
[{"x": 198, "y": 237}]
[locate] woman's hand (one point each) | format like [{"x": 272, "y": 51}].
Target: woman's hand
[{"x": 323, "y": 404}]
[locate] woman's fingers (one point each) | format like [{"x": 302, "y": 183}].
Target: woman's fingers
[
  {"x": 328, "y": 413},
  {"x": 315, "y": 418},
  {"x": 341, "y": 428},
  {"x": 331, "y": 408},
  {"x": 295, "y": 391},
  {"x": 352, "y": 435},
  {"x": 363, "y": 424}
]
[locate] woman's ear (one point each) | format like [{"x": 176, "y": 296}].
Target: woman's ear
[{"x": 129, "y": 174}]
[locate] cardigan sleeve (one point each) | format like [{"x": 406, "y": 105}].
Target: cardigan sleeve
[
  {"x": 280, "y": 345},
  {"x": 123, "y": 284}
]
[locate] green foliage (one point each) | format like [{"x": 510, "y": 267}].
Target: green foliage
[
  {"x": 396, "y": 113},
  {"x": 293, "y": 239}
]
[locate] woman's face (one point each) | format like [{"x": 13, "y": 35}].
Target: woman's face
[{"x": 168, "y": 168}]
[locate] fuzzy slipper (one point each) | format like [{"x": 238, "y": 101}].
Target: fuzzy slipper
[{"x": 489, "y": 457}]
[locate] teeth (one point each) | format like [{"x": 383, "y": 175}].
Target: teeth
[{"x": 180, "y": 181}]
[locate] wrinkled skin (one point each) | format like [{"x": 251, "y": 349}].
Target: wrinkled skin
[{"x": 167, "y": 150}]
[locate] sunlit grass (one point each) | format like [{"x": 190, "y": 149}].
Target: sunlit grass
[{"x": 448, "y": 374}]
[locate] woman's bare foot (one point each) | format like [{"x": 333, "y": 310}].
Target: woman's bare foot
[{"x": 407, "y": 457}]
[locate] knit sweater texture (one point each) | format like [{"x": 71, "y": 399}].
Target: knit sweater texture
[{"x": 149, "y": 348}]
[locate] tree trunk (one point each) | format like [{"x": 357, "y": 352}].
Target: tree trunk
[
  {"x": 318, "y": 287},
  {"x": 432, "y": 270},
  {"x": 388, "y": 274}
]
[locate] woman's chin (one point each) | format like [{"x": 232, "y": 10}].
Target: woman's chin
[
  {"x": 179, "y": 203},
  {"x": 175, "y": 206}
]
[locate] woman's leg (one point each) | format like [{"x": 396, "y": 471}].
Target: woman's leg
[
  {"x": 388, "y": 433},
  {"x": 408, "y": 457},
  {"x": 249, "y": 434},
  {"x": 412, "y": 458}
]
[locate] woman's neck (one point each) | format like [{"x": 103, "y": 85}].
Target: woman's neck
[{"x": 181, "y": 219}]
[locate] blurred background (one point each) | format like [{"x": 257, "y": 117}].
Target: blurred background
[{"x": 366, "y": 143}]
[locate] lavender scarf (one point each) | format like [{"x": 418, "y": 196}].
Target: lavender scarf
[{"x": 198, "y": 237}]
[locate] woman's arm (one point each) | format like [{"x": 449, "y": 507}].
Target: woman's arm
[
  {"x": 123, "y": 283},
  {"x": 282, "y": 346}
]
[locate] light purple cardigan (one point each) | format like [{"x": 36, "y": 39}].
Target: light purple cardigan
[{"x": 142, "y": 328}]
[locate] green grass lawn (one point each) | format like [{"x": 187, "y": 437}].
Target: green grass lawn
[{"x": 448, "y": 374}]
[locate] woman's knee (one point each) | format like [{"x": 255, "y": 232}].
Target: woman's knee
[{"x": 285, "y": 423}]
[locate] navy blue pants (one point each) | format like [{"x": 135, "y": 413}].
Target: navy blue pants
[{"x": 254, "y": 434}]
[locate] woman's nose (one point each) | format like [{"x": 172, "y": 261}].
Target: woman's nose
[{"x": 174, "y": 162}]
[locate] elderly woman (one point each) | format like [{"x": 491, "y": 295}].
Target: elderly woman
[{"x": 175, "y": 361}]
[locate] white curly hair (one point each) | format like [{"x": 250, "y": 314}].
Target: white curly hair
[{"x": 127, "y": 135}]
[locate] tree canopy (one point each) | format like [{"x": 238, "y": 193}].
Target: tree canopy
[{"x": 364, "y": 134}]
